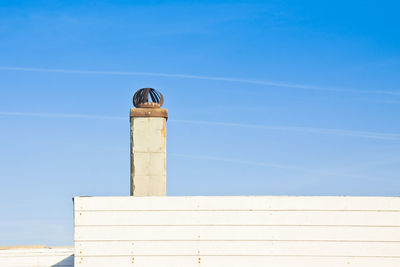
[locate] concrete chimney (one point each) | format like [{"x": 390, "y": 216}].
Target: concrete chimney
[{"x": 148, "y": 144}]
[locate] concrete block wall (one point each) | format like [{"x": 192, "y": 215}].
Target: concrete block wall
[{"x": 148, "y": 156}]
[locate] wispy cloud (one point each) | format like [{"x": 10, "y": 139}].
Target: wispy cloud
[
  {"x": 62, "y": 115},
  {"x": 311, "y": 130},
  {"x": 394, "y": 102},
  {"x": 200, "y": 77},
  {"x": 266, "y": 164},
  {"x": 341, "y": 132}
]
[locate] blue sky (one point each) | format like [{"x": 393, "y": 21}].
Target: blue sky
[{"x": 264, "y": 98}]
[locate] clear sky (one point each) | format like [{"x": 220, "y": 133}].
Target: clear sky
[{"x": 264, "y": 98}]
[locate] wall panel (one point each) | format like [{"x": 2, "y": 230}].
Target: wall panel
[{"x": 237, "y": 231}]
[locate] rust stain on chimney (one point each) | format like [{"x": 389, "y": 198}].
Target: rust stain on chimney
[{"x": 164, "y": 130}]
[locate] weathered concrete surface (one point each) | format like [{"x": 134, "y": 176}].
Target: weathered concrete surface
[{"x": 148, "y": 156}]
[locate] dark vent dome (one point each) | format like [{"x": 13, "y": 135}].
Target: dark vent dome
[{"x": 148, "y": 98}]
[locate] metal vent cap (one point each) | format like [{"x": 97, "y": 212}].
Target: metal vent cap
[{"x": 141, "y": 98}]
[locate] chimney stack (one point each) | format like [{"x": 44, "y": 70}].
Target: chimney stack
[{"x": 148, "y": 144}]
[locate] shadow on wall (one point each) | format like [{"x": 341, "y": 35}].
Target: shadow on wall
[{"x": 67, "y": 262}]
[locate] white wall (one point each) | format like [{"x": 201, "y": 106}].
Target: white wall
[
  {"x": 37, "y": 257},
  {"x": 237, "y": 231}
]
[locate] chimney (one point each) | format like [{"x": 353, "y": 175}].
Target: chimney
[{"x": 148, "y": 144}]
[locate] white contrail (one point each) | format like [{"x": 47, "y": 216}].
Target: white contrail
[
  {"x": 374, "y": 135},
  {"x": 264, "y": 164},
  {"x": 199, "y": 77},
  {"x": 62, "y": 115},
  {"x": 340, "y": 132}
]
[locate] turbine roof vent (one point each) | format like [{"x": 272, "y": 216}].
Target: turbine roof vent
[{"x": 148, "y": 98}]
